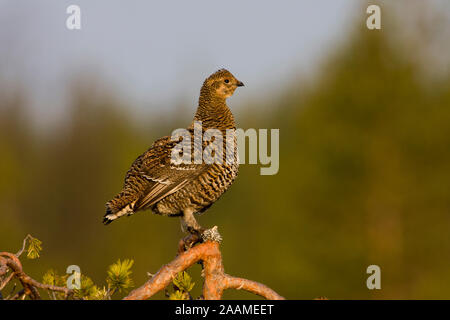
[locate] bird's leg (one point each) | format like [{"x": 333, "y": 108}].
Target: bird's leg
[{"x": 189, "y": 224}]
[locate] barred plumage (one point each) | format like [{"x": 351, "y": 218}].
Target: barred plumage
[{"x": 154, "y": 182}]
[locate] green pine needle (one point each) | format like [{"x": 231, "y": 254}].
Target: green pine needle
[
  {"x": 50, "y": 277},
  {"x": 119, "y": 275},
  {"x": 183, "y": 281},
  {"x": 179, "y": 295},
  {"x": 99, "y": 294},
  {"x": 87, "y": 290},
  {"x": 34, "y": 248}
]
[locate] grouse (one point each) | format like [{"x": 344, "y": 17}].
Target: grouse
[{"x": 183, "y": 189}]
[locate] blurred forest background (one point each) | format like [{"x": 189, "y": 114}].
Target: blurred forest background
[{"x": 364, "y": 175}]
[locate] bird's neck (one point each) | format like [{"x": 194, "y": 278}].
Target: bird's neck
[{"x": 213, "y": 112}]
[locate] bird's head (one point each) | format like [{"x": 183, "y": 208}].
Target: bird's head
[{"x": 221, "y": 84}]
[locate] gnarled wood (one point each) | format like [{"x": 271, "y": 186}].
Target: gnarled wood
[
  {"x": 11, "y": 261},
  {"x": 216, "y": 280}
]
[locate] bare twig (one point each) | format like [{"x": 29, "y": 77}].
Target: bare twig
[
  {"x": 18, "y": 295},
  {"x": 11, "y": 292},
  {"x": 24, "y": 245},
  {"x": 6, "y": 281},
  {"x": 216, "y": 280},
  {"x": 30, "y": 285}
]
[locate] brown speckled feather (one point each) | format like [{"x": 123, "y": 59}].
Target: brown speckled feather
[
  {"x": 154, "y": 182},
  {"x": 163, "y": 177}
]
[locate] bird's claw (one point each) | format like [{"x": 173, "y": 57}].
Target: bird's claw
[
  {"x": 199, "y": 236},
  {"x": 188, "y": 242}
]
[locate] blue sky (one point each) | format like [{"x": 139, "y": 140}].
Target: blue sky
[{"x": 155, "y": 53}]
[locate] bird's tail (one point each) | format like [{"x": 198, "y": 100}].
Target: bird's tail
[{"x": 116, "y": 209}]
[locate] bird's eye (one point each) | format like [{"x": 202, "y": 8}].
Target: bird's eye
[{"x": 226, "y": 80}]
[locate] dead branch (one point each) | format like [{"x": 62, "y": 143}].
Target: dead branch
[
  {"x": 216, "y": 280},
  {"x": 11, "y": 261},
  {"x": 28, "y": 237}
]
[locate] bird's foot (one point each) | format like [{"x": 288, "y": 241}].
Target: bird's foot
[
  {"x": 199, "y": 236},
  {"x": 188, "y": 242}
]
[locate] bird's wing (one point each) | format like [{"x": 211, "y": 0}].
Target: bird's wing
[{"x": 163, "y": 176}]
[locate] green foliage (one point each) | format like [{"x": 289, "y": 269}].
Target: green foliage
[
  {"x": 100, "y": 294},
  {"x": 119, "y": 275},
  {"x": 183, "y": 285},
  {"x": 87, "y": 290},
  {"x": 51, "y": 277},
  {"x": 179, "y": 295},
  {"x": 34, "y": 248},
  {"x": 183, "y": 281},
  {"x": 118, "y": 279}
]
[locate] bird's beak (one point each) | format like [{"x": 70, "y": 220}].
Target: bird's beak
[{"x": 240, "y": 84}]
